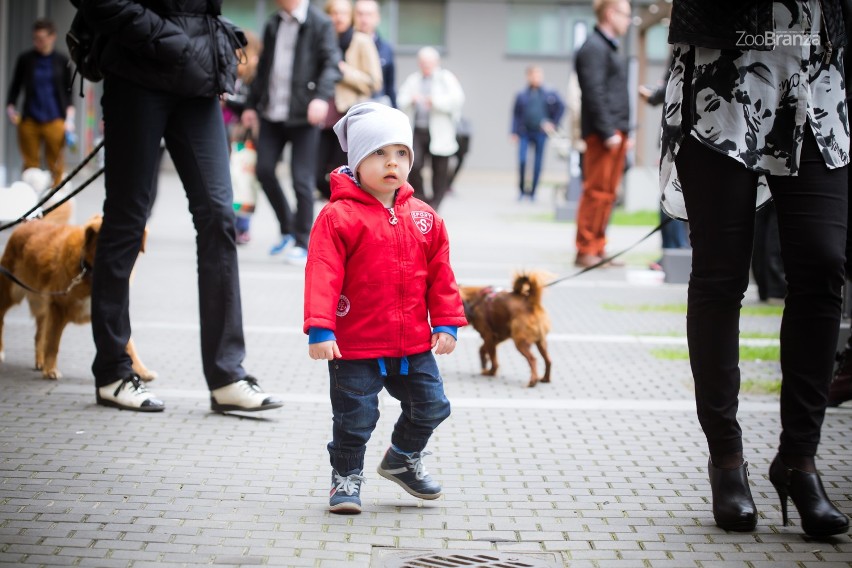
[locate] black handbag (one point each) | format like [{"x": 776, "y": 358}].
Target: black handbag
[{"x": 83, "y": 42}]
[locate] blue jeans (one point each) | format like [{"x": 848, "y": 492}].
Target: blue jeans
[
  {"x": 355, "y": 387},
  {"x": 537, "y": 139},
  {"x": 135, "y": 119}
]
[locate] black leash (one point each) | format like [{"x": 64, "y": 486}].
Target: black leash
[
  {"x": 53, "y": 191},
  {"x": 604, "y": 261},
  {"x": 84, "y": 270}
]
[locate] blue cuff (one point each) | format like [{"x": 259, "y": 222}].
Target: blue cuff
[
  {"x": 320, "y": 334},
  {"x": 448, "y": 329}
]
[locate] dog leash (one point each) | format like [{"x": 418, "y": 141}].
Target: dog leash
[
  {"x": 84, "y": 269},
  {"x": 61, "y": 184},
  {"x": 603, "y": 261}
]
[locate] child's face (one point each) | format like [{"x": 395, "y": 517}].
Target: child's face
[{"x": 384, "y": 171}]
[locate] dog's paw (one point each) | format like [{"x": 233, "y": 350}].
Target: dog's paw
[
  {"x": 53, "y": 374},
  {"x": 146, "y": 375}
]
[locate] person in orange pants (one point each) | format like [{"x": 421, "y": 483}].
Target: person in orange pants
[{"x": 605, "y": 121}]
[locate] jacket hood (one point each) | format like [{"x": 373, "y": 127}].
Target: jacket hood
[{"x": 344, "y": 186}]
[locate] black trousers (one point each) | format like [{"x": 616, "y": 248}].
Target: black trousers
[
  {"x": 303, "y": 140},
  {"x": 766, "y": 264},
  {"x": 812, "y": 218},
  {"x": 135, "y": 119},
  {"x": 440, "y": 170}
]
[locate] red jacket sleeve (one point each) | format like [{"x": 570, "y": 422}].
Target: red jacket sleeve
[
  {"x": 442, "y": 293},
  {"x": 323, "y": 273}
]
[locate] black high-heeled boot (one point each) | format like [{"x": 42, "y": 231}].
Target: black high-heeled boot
[
  {"x": 733, "y": 505},
  {"x": 819, "y": 515}
]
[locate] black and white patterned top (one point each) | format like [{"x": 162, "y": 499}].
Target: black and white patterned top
[{"x": 754, "y": 105}]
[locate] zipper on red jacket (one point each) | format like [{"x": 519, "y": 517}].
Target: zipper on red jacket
[{"x": 393, "y": 220}]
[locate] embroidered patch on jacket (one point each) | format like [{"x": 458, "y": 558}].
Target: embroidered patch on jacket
[
  {"x": 343, "y": 306},
  {"x": 423, "y": 220}
]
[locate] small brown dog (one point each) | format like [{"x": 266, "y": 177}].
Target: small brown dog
[
  {"x": 49, "y": 258},
  {"x": 517, "y": 314}
]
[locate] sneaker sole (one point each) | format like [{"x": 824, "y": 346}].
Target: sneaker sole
[
  {"x": 216, "y": 407},
  {"x": 112, "y": 404},
  {"x": 409, "y": 490},
  {"x": 345, "y": 508}
]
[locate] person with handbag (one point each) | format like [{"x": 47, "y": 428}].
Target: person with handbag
[{"x": 164, "y": 69}]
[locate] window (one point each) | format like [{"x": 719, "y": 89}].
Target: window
[
  {"x": 410, "y": 24},
  {"x": 545, "y": 29}
]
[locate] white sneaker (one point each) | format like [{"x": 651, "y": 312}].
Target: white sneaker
[
  {"x": 245, "y": 395},
  {"x": 129, "y": 394},
  {"x": 297, "y": 256}
]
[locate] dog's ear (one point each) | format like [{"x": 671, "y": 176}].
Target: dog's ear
[
  {"x": 144, "y": 239},
  {"x": 90, "y": 243}
]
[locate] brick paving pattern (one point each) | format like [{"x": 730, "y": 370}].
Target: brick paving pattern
[{"x": 605, "y": 466}]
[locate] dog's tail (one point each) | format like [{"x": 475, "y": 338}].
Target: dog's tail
[{"x": 530, "y": 285}]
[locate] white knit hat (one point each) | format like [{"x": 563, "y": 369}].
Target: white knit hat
[{"x": 370, "y": 126}]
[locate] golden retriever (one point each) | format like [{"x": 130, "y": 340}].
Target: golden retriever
[{"x": 49, "y": 258}]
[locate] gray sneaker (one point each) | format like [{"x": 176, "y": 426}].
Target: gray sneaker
[
  {"x": 345, "y": 495},
  {"x": 409, "y": 473}
]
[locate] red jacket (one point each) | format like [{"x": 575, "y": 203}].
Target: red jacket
[{"x": 379, "y": 286}]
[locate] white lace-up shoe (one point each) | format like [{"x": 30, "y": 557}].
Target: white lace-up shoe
[
  {"x": 129, "y": 393},
  {"x": 244, "y": 395}
]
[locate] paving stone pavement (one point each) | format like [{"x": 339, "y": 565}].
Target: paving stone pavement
[{"x": 605, "y": 466}]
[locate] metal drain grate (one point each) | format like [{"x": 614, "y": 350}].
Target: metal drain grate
[{"x": 394, "y": 558}]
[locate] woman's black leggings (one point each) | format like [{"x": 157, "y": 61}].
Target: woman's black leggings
[{"x": 812, "y": 211}]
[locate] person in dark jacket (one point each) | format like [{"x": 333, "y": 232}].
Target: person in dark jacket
[
  {"x": 367, "y": 20},
  {"x": 164, "y": 70},
  {"x": 752, "y": 114},
  {"x": 296, "y": 74},
  {"x": 605, "y": 121},
  {"x": 47, "y": 115},
  {"x": 535, "y": 115}
]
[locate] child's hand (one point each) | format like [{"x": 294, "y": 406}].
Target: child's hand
[
  {"x": 443, "y": 343},
  {"x": 325, "y": 350}
]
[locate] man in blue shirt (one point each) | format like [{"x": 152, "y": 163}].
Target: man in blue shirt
[
  {"x": 47, "y": 114},
  {"x": 536, "y": 114}
]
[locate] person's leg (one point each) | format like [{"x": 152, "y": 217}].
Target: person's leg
[
  {"x": 53, "y": 135},
  {"x": 303, "y": 166},
  {"x": 523, "y": 150},
  {"x": 270, "y": 144},
  {"x": 197, "y": 142},
  {"x": 464, "y": 144},
  {"x": 440, "y": 165},
  {"x": 616, "y": 159},
  {"x": 420, "y": 390},
  {"x": 421, "y": 394},
  {"x": 759, "y": 258},
  {"x": 420, "y": 149},
  {"x": 354, "y": 390},
  {"x": 326, "y": 160},
  {"x": 134, "y": 121},
  {"x": 812, "y": 220},
  {"x": 600, "y": 181},
  {"x": 539, "y": 140},
  {"x": 29, "y": 143},
  {"x": 720, "y": 195}
]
